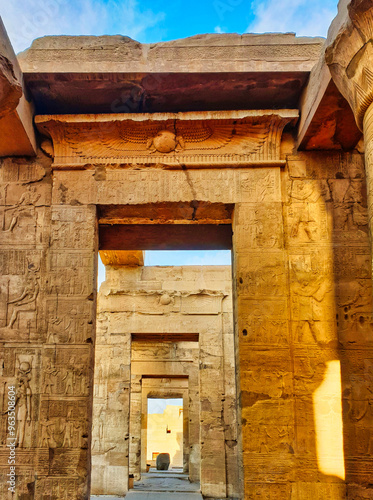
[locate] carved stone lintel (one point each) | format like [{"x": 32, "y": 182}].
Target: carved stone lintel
[{"x": 192, "y": 139}]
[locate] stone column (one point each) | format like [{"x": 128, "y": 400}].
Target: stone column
[
  {"x": 368, "y": 140},
  {"x": 349, "y": 54}
]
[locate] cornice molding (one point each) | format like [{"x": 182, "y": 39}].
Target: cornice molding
[{"x": 193, "y": 139}]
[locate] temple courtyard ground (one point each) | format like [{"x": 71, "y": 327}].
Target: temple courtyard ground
[{"x": 160, "y": 485}]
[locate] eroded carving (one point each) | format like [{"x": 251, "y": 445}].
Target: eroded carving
[
  {"x": 26, "y": 301},
  {"x": 23, "y": 401},
  {"x": 24, "y": 207}
]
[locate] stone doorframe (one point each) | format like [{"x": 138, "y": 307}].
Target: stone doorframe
[
  {"x": 180, "y": 170},
  {"x": 150, "y": 390}
]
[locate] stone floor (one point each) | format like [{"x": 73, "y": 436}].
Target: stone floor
[{"x": 160, "y": 485}]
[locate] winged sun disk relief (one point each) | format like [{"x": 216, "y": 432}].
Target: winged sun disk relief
[{"x": 114, "y": 139}]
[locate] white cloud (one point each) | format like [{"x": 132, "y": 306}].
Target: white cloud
[
  {"x": 219, "y": 29},
  {"x": 304, "y": 17},
  {"x": 26, "y": 20},
  {"x": 159, "y": 405}
]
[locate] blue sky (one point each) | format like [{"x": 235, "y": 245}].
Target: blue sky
[
  {"x": 153, "y": 21},
  {"x": 178, "y": 258},
  {"x": 158, "y": 405}
]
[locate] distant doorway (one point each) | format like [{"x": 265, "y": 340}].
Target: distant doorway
[{"x": 165, "y": 433}]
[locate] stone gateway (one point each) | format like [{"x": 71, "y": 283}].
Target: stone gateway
[{"x": 259, "y": 144}]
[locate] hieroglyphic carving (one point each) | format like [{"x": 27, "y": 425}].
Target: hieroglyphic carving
[
  {"x": 269, "y": 439},
  {"x": 69, "y": 321},
  {"x": 264, "y": 322},
  {"x": 61, "y": 488},
  {"x": 259, "y": 226},
  {"x": 268, "y": 491},
  {"x": 76, "y": 279},
  {"x": 350, "y": 213},
  {"x": 14, "y": 170},
  {"x": 49, "y": 372},
  {"x": 262, "y": 275},
  {"x": 355, "y": 311},
  {"x": 122, "y": 186},
  {"x": 260, "y": 185},
  {"x": 63, "y": 423}
]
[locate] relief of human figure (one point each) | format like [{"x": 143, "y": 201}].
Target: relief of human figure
[
  {"x": 27, "y": 300},
  {"x": 46, "y": 438},
  {"x": 27, "y": 200},
  {"x": 68, "y": 431},
  {"x": 69, "y": 377},
  {"x": 55, "y": 329},
  {"x": 310, "y": 291},
  {"x": 23, "y": 402},
  {"x": 48, "y": 372}
]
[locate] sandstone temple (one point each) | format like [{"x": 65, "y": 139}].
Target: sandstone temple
[{"x": 257, "y": 144}]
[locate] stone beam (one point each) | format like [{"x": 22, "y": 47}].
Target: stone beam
[
  {"x": 326, "y": 120},
  {"x": 17, "y": 135},
  {"x": 166, "y": 236},
  {"x": 122, "y": 258},
  {"x": 200, "y": 53},
  {"x": 115, "y": 74}
]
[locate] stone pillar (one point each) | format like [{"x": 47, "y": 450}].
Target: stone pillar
[
  {"x": 264, "y": 364},
  {"x": 349, "y": 54},
  {"x": 65, "y": 412},
  {"x": 111, "y": 402},
  {"x": 213, "y": 461}
]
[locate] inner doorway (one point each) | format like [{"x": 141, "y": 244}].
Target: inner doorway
[
  {"x": 165, "y": 434},
  {"x": 165, "y": 325}
]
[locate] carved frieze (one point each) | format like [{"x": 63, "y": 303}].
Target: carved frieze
[{"x": 192, "y": 139}]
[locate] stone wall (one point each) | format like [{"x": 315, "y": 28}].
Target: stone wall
[
  {"x": 48, "y": 257},
  {"x": 302, "y": 288}
]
